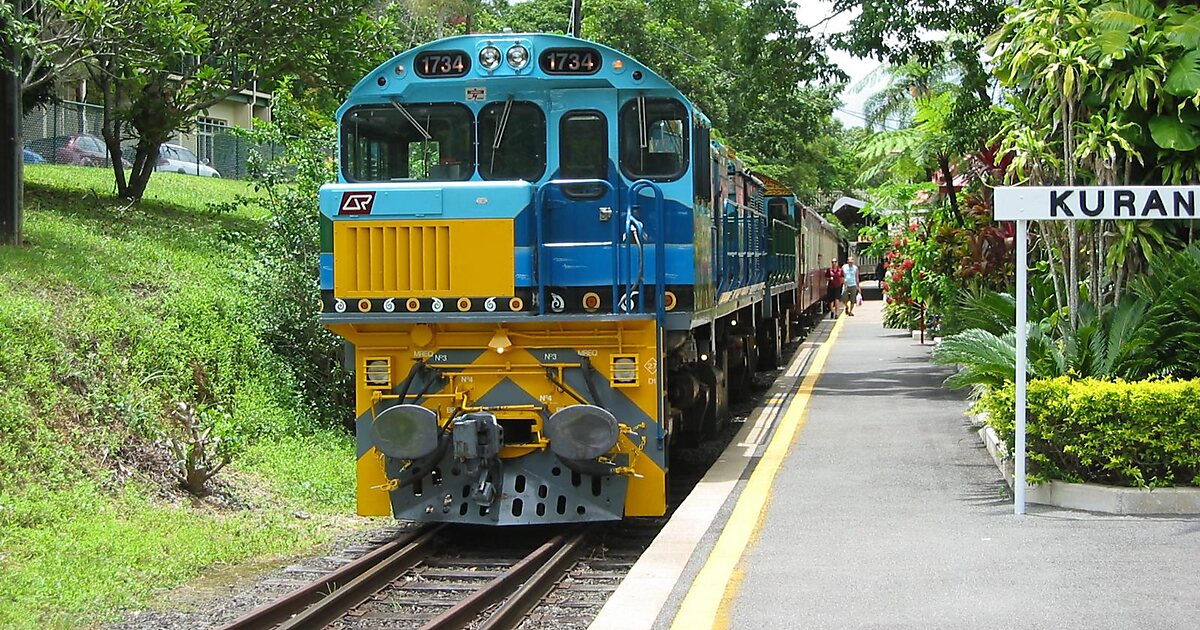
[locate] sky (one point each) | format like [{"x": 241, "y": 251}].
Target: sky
[{"x": 814, "y": 11}]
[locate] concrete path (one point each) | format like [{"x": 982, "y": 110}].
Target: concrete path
[{"x": 888, "y": 513}]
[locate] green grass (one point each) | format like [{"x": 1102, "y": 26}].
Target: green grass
[
  {"x": 109, "y": 315},
  {"x": 172, "y": 190}
]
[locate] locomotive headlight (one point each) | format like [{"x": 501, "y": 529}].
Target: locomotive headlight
[
  {"x": 490, "y": 57},
  {"x": 518, "y": 56}
]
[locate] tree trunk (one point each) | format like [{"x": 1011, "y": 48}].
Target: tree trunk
[
  {"x": 154, "y": 119},
  {"x": 948, "y": 177},
  {"x": 12, "y": 178},
  {"x": 1049, "y": 240}
]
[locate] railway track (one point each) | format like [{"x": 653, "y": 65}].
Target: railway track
[
  {"x": 438, "y": 577},
  {"x": 447, "y": 576}
]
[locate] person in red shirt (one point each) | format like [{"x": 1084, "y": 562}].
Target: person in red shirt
[{"x": 834, "y": 277}]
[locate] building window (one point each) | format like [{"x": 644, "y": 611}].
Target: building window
[{"x": 207, "y": 129}]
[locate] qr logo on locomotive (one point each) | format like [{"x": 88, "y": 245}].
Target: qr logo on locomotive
[{"x": 357, "y": 203}]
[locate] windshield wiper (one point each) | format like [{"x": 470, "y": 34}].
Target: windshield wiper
[
  {"x": 643, "y": 130},
  {"x": 397, "y": 105},
  {"x": 500, "y": 127}
]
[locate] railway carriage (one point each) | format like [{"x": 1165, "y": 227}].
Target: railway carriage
[{"x": 548, "y": 272}]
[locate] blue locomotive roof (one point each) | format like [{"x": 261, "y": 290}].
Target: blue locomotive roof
[{"x": 393, "y": 78}]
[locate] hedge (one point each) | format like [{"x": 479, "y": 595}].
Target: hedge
[{"x": 1136, "y": 434}]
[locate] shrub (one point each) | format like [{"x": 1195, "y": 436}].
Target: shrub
[
  {"x": 1144, "y": 433},
  {"x": 289, "y": 298}
]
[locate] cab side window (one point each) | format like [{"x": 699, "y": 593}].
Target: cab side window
[{"x": 654, "y": 139}]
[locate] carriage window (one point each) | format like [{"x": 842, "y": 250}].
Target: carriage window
[
  {"x": 407, "y": 142},
  {"x": 654, "y": 139},
  {"x": 512, "y": 141},
  {"x": 777, "y": 208},
  {"x": 583, "y": 152}
]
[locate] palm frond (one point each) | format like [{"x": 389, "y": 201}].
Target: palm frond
[{"x": 984, "y": 358}]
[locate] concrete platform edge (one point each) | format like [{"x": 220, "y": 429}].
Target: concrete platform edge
[
  {"x": 641, "y": 602},
  {"x": 1094, "y": 497}
]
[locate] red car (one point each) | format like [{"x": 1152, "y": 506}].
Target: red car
[{"x": 79, "y": 149}]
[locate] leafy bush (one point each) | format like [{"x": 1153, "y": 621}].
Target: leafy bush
[
  {"x": 1172, "y": 327},
  {"x": 289, "y": 256},
  {"x": 1140, "y": 434},
  {"x": 901, "y": 315}
]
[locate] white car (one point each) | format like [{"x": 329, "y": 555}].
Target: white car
[{"x": 176, "y": 159}]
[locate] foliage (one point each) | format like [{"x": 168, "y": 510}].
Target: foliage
[
  {"x": 1100, "y": 93},
  {"x": 1109, "y": 343},
  {"x": 1152, "y": 332},
  {"x": 987, "y": 360},
  {"x": 108, "y": 315},
  {"x": 1116, "y": 85},
  {"x": 898, "y": 33},
  {"x": 1120, "y": 433},
  {"x": 1171, "y": 328},
  {"x": 199, "y": 453},
  {"x": 184, "y": 57},
  {"x": 288, "y": 255},
  {"x": 900, "y": 315}
]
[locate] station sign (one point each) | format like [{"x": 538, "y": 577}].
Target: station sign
[
  {"x": 1074, "y": 203},
  {"x": 1070, "y": 203}
]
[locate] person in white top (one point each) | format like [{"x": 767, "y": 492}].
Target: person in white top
[{"x": 850, "y": 287}]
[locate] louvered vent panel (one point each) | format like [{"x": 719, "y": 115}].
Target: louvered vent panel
[{"x": 397, "y": 260}]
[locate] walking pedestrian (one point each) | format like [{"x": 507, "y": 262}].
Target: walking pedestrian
[
  {"x": 850, "y": 280},
  {"x": 833, "y": 283}
]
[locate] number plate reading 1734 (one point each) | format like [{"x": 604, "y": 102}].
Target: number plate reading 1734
[
  {"x": 570, "y": 61},
  {"x": 445, "y": 63}
]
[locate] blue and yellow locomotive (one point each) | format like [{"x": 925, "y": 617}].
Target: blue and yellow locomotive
[{"x": 548, "y": 272}]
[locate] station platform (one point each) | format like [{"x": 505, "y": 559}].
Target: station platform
[{"x": 859, "y": 496}]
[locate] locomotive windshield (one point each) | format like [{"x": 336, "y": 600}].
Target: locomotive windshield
[
  {"x": 407, "y": 142},
  {"x": 512, "y": 141}
]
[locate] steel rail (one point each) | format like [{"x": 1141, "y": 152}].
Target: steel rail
[
  {"x": 512, "y": 581},
  {"x": 512, "y": 612},
  {"x": 333, "y": 606},
  {"x": 275, "y": 612}
]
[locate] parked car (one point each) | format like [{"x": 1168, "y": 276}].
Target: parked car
[
  {"x": 79, "y": 149},
  {"x": 178, "y": 159},
  {"x": 32, "y": 157}
]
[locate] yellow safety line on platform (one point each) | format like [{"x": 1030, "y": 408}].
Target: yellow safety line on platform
[{"x": 707, "y": 602}]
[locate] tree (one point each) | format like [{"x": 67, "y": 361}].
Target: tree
[
  {"x": 236, "y": 46},
  {"x": 39, "y": 40},
  {"x": 1100, "y": 93}
]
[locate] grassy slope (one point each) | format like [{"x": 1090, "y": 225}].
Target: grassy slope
[{"x": 109, "y": 316}]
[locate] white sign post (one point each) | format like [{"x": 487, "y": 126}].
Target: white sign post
[{"x": 1072, "y": 203}]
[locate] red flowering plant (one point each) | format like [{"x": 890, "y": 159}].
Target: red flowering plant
[{"x": 934, "y": 255}]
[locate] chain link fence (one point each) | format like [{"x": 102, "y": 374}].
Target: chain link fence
[{"x": 68, "y": 132}]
